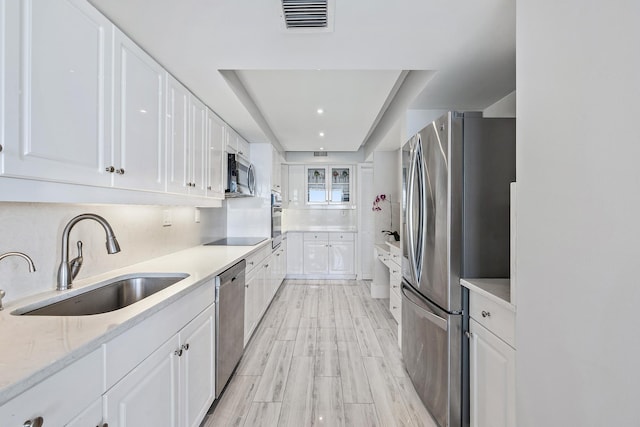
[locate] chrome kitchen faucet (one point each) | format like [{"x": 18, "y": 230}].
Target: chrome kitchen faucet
[
  {"x": 32, "y": 268},
  {"x": 69, "y": 269}
]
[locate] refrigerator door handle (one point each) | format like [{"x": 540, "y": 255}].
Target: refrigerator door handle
[
  {"x": 409, "y": 214},
  {"x": 414, "y": 172},
  {"x": 411, "y": 297}
]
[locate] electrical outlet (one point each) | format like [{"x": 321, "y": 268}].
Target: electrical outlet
[
  {"x": 166, "y": 218},
  {"x": 197, "y": 215}
]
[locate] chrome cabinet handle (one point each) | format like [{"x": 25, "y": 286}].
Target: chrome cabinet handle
[
  {"x": 110, "y": 169},
  {"x": 468, "y": 334},
  {"x": 209, "y": 187},
  {"x": 120, "y": 171},
  {"x": 486, "y": 313},
  {"x": 178, "y": 352},
  {"x": 0, "y": 148},
  {"x": 36, "y": 422},
  {"x": 185, "y": 346}
]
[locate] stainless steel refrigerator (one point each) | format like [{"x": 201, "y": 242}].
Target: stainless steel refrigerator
[{"x": 456, "y": 176}]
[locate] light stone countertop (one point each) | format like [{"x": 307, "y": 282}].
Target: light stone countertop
[
  {"x": 498, "y": 290},
  {"x": 36, "y": 347},
  {"x": 319, "y": 228}
]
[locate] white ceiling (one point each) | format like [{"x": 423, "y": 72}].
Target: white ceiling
[{"x": 351, "y": 72}]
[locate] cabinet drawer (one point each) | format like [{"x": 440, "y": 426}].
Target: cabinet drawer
[
  {"x": 395, "y": 281},
  {"x": 338, "y": 237},
  {"x": 59, "y": 398},
  {"x": 316, "y": 236},
  {"x": 381, "y": 254},
  {"x": 253, "y": 259},
  {"x": 395, "y": 306},
  {"x": 493, "y": 316},
  {"x": 396, "y": 258}
]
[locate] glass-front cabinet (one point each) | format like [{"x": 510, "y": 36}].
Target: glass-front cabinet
[{"x": 329, "y": 185}]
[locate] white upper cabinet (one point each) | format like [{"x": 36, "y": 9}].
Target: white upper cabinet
[
  {"x": 215, "y": 150},
  {"x": 58, "y": 122},
  {"x": 237, "y": 144},
  {"x": 296, "y": 187},
  {"x": 197, "y": 142},
  {"x": 276, "y": 171},
  {"x": 177, "y": 136},
  {"x": 329, "y": 185},
  {"x": 138, "y": 159}
]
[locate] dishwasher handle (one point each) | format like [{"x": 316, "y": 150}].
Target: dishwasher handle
[{"x": 229, "y": 276}]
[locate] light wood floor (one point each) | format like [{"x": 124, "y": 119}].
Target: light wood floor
[{"x": 325, "y": 354}]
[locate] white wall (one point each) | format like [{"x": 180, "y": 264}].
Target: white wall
[
  {"x": 334, "y": 157},
  {"x": 36, "y": 229},
  {"x": 386, "y": 180},
  {"x": 505, "y": 107},
  {"x": 578, "y": 83}
]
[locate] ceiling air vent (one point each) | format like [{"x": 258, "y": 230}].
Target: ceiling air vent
[
  {"x": 307, "y": 14},
  {"x": 319, "y": 154}
]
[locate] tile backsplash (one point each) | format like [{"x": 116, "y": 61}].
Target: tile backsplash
[{"x": 36, "y": 229}]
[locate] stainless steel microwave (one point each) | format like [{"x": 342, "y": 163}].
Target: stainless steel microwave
[{"x": 241, "y": 177}]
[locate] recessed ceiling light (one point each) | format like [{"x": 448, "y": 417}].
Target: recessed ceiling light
[
  {"x": 320, "y": 110},
  {"x": 321, "y": 134},
  {"x": 321, "y": 148}
]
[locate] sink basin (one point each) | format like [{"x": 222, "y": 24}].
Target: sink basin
[{"x": 113, "y": 295}]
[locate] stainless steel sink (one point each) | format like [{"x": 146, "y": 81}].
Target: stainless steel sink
[{"x": 113, "y": 295}]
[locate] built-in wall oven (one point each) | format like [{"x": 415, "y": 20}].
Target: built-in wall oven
[{"x": 276, "y": 219}]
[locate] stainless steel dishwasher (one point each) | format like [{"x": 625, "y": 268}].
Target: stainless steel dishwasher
[{"x": 229, "y": 322}]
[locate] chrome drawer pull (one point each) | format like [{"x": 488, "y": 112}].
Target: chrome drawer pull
[{"x": 486, "y": 313}]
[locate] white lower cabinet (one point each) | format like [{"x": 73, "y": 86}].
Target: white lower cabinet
[
  {"x": 295, "y": 257},
  {"x": 492, "y": 360},
  {"x": 492, "y": 381},
  {"x": 341, "y": 257},
  {"x": 60, "y": 398},
  {"x": 197, "y": 368},
  {"x": 174, "y": 386},
  {"x": 149, "y": 394},
  {"x": 316, "y": 257},
  {"x": 328, "y": 255},
  {"x": 265, "y": 273}
]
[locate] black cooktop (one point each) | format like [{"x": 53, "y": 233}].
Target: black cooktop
[{"x": 237, "y": 241}]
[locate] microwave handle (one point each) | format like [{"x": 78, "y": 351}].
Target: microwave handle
[{"x": 251, "y": 180}]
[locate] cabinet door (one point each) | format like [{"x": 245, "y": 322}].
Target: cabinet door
[
  {"x": 177, "y": 137},
  {"x": 148, "y": 395},
  {"x": 215, "y": 152},
  {"x": 316, "y": 185},
  {"x": 296, "y": 187},
  {"x": 249, "y": 304},
  {"x": 139, "y": 146},
  {"x": 492, "y": 379},
  {"x": 341, "y": 258},
  {"x": 340, "y": 190},
  {"x": 243, "y": 146},
  {"x": 316, "y": 257},
  {"x": 197, "y": 368},
  {"x": 295, "y": 253},
  {"x": 57, "y": 98},
  {"x": 284, "y": 185},
  {"x": 197, "y": 139}
]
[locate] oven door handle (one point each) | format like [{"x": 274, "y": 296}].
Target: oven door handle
[{"x": 424, "y": 308}]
